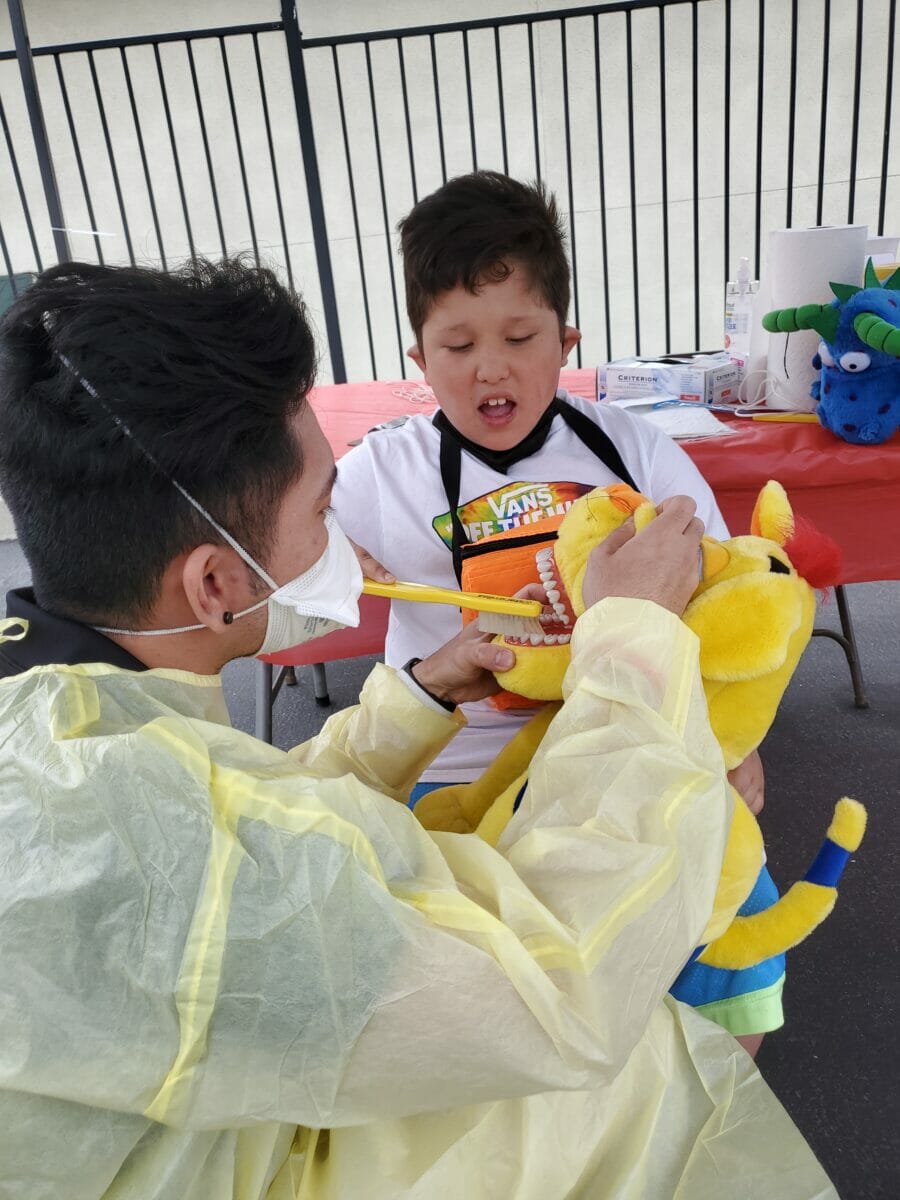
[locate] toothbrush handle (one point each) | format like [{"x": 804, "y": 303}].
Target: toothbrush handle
[{"x": 426, "y": 594}]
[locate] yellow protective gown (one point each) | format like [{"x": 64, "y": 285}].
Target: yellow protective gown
[{"x": 230, "y": 972}]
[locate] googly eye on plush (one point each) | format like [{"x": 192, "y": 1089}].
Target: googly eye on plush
[
  {"x": 854, "y": 361},
  {"x": 825, "y": 355}
]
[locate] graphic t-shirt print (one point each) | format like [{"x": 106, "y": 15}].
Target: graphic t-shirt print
[{"x": 510, "y": 506}]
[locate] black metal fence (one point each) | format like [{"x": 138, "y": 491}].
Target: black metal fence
[{"x": 654, "y": 121}]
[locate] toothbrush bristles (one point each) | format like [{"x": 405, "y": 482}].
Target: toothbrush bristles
[{"x": 508, "y": 625}]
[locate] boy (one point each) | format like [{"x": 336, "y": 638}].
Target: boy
[{"x": 487, "y": 292}]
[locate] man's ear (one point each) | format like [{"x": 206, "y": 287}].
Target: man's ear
[
  {"x": 214, "y": 582},
  {"x": 570, "y": 339},
  {"x": 415, "y": 353}
]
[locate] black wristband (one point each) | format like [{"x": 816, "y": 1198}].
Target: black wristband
[{"x": 408, "y": 668}]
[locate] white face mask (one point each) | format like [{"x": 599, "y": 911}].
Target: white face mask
[
  {"x": 324, "y": 598},
  {"x": 321, "y": 600}
]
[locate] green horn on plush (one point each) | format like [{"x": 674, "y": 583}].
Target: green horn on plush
[
  {"x": 878, "y": 333},
  {"x": 820, "y": 317}
]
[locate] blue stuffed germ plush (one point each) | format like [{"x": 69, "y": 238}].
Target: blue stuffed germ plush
[{"x": 859, "y": 356}]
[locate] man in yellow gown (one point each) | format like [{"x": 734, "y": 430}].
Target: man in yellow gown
[{"x": 230, "y": 971}]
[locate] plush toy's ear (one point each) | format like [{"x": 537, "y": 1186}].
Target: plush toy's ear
[
  {"x": 745, "y": 625},
  {"x": 773, "y": 517}
]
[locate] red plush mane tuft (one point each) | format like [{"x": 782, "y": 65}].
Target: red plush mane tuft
[{"x": 816, "y": 557}]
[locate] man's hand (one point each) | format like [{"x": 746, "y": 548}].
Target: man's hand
[
  {"x": 661, "y": 565},
  {"x": 749, "y": 779},
  {"x": 371, "y": 567},
  {"x": 462, "y": 669}
]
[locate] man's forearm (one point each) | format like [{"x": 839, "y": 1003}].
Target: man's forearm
[{"x": 385, "y": 741}]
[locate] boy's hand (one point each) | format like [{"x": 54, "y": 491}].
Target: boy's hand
[
  {"x": 371, "y": 568},
  {"x": 661, "y": 565},
  {"x": 462, "y": 669},
  {"x": 749, "y": 779}
]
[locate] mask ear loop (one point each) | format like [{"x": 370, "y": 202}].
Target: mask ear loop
[
  {"x": 235, "y": 545},
  {"x": 239, "y": 549}
]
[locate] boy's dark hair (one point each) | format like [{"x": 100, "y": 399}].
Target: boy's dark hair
[
  {"x": 472, "y": 231},
  {"x": 205, "y": 366}
]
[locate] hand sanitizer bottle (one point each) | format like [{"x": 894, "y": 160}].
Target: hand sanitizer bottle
[{"x": 739, "y": 300}]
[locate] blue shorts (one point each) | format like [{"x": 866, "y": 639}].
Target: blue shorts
[{"x": 746, "y": 1001}]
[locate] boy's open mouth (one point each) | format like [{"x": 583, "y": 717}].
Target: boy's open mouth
[
  {"x": 558, "y": 616},
  {"x": 497, "y": 411}
]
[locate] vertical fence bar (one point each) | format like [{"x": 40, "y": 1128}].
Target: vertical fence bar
[
  {"x": 354, "y": 210},
  {"x": 695, "y": 149},
  {"x": 143, "y": 154},
  {"x": 294, "y": 46},
  {"x": 101, "y": 109},
  {"x": 174, "y": 145},
  {"x": 571, "y": 191},
  {"x": 534, "y": 111},
  {"x": 889, "y": 86},
  {"x": 17, "y": 175},
  {"x": 792, "y": 108},
  {"x": 760, "y": 91},
  {"x": 240, "y": 149},
  {"x": 499, "y": 62},
  {"x": 465, "y": 39},
  {"x": 38, "y": 128},
  {"x": 854, "y": 137},
  {"x": 664, "y": 173},
  {"x": 384, "y": 210},
  {"x": 437, "y": 108},
  {"x": 409, "y": 137},
  {"x": 78, "y": 159},
  {"x": 4, "y": 250},
  {"x": 823, "y": 117},
  {"x": 632, "y": 188},
  {"x": 602, "y": 182},
  {"x": 206, "y": 151},
  {"x": 265, "y": 108}
]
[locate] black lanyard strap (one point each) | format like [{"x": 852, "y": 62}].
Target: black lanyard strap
[
  {"x": 451, "y": 470},
  {"x": 590, "y": 434}
]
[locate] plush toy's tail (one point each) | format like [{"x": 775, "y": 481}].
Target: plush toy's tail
[{"x": 750, "y": 940}]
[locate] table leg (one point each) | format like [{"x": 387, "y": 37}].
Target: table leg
[
  {"x": 320, "y": 684},
  {"x": 263, "y": 724},
  {"x": 846, "y": 639}
]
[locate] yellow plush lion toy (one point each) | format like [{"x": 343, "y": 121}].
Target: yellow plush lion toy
[{"x": 753, "y": 613}]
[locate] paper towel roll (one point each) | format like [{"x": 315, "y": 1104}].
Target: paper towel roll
[{"x": 800, "y": 266}]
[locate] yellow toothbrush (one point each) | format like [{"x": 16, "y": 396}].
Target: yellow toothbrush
[
  {"x": 497, "y": 614},
  {"x": 805, "y": 418}
]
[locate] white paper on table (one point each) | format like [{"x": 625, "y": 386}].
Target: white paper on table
[{"x": 681, "y": 422}]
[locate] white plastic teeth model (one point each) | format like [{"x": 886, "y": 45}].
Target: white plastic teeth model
[
  {"x": 546, "y": 565},
  {"x": 536, "y": 639}
]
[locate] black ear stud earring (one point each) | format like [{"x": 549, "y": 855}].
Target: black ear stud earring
[{"x": 227, "y": 617}]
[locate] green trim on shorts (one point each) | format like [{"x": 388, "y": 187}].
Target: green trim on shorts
[{"x": 754, "y": 1012}]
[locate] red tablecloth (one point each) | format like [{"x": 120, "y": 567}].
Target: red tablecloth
[{"x": 849, "y": 492}]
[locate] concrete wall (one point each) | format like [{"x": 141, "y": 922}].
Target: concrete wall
[{"x": 60, "y": 21}]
